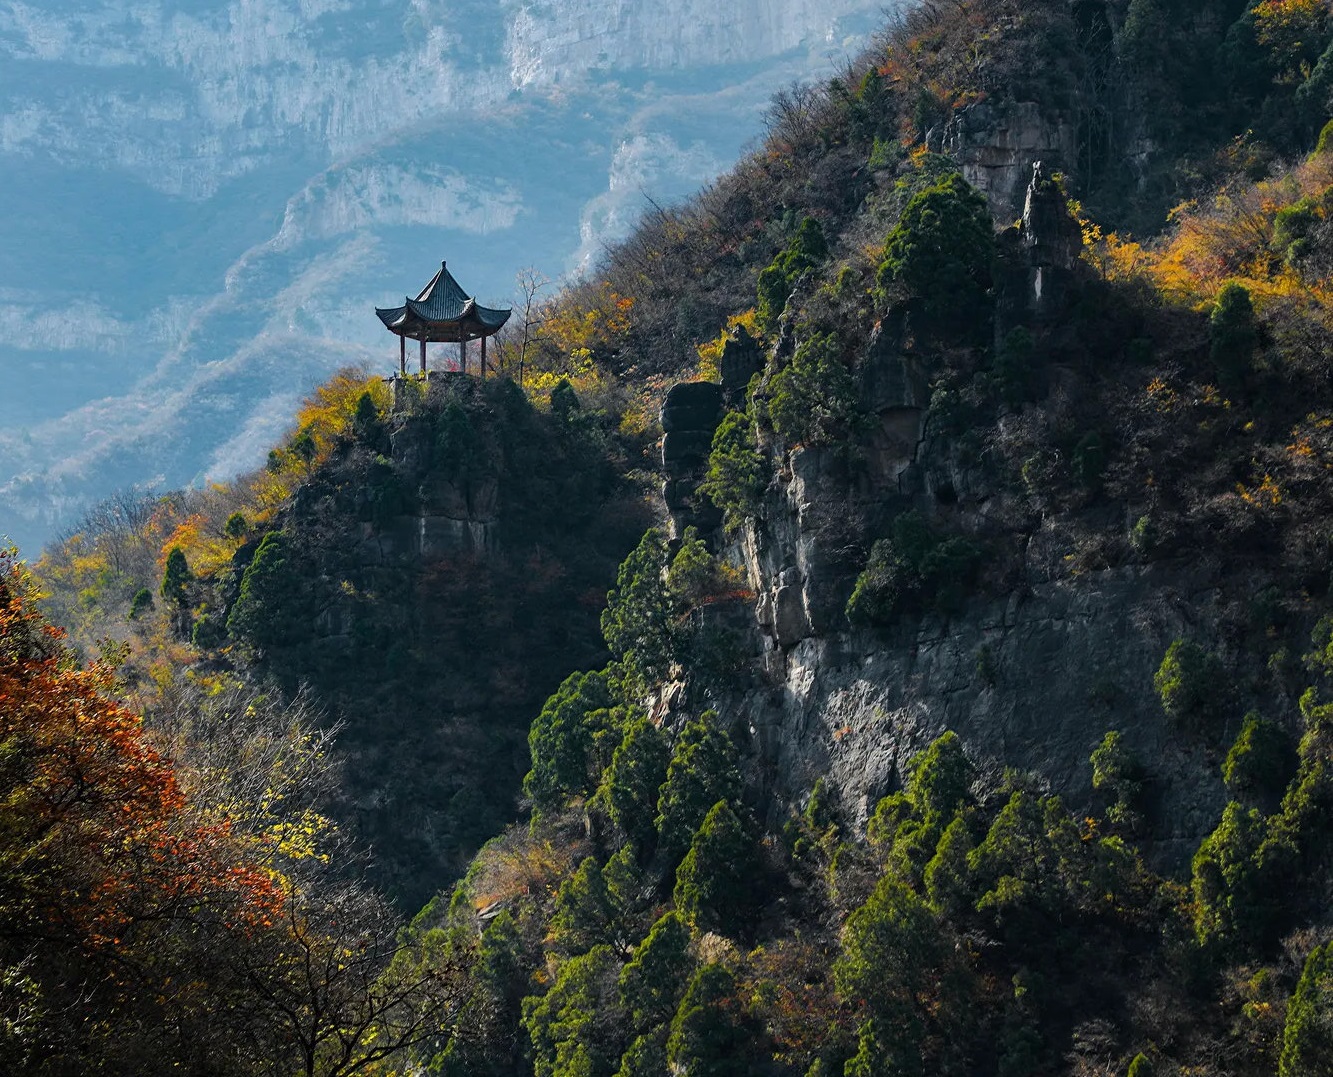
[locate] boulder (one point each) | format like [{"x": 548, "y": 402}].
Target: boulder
[
  {"x": 681, "y": 446},
  {"x": 688, "y": 417},
  {"x": 694, "y": 394}
]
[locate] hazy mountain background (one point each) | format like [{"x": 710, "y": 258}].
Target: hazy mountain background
[{"x": 203, "y": 201}]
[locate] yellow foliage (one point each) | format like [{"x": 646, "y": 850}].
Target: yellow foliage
[
  {"x": 1266, "y": 495},
  {"x": 1290, "y": 27},
  {"x": 587, "y": 318},
  {"x": 1161, "y": 395},
  {"x": 580, "y": 371},
  {"x": 1114, "y": 258},
  {"x": 329, "y": 410},
  {"x": 301, "y": 838},
  {"x": 644, "y": 404},
  {"x": 267, "y": 492},
  {"x": 1228, "y": 238}
]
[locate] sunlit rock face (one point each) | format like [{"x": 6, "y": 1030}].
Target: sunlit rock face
[{"x": 207, "y": 199}]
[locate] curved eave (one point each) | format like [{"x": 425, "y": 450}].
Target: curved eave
[
  {"x": 390, "y": 316},
  {"x": 479, "y": 322},
  {"x": 490, "y": 317},
  {"x": 439, "y": 311}
]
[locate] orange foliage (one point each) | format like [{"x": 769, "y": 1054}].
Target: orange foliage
[
  {"x": 97, "y": 838},
  {"x": 187, "y": 535}
]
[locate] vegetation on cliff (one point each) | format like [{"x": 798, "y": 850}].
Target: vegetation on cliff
[{"x": 1127, "y": 388}]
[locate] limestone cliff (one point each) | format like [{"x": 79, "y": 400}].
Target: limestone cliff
[{"x": 1033, "y": 672}]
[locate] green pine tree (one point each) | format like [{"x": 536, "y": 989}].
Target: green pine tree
[
  {"x": 1307, "y": 1036},
  {"x": 652, "y": 984},
  {"x": 703, "y": 771},
  {"x": 632, "y": 783},
  {"x": 708, "y": 1035},
  {"x": 715, "y": 883},
  {"x": 175, "y": 577}
]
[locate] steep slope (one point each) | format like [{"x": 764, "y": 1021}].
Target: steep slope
[
  {"x": 428, "y": 573},
  {"x": 963, "y": 716},
  {"x": 1020, "y": 587}
]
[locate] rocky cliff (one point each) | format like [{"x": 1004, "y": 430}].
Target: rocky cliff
[{"x": 1033, "y": 671}]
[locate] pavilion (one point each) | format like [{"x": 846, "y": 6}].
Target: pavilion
[{"x": 442, "y": 312}]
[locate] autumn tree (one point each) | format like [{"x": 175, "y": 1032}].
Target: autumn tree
[
  {"x": 341, "y": 989},
  {"x": 189, "y": 921},
  {"x": 110, "y": 887}
]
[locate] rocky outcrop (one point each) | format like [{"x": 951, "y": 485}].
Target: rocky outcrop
[
  {"x": 1031, "y": 676},
  {"x": 1031, "y": 680},
  {"x": 1052, "y": 242},
  {"x": 742, "y": 358},
  {"x": 996, "y": 145},
  {"x": 690, "y": 414}
]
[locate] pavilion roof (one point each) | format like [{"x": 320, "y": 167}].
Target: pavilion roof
[{"x": 442, "y": 311}]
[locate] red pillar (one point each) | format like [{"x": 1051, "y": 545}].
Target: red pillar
[
  {"x": 462, "y": 352},
  {"x": 423, "y": 355}
]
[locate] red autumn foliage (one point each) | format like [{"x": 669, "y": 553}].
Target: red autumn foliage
[
  {"x": 96, "y": 831},
  {"x": 110, "y": 887}
]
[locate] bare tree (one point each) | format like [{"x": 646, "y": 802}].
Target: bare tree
[
  {"x": 115, "y": 525},
  {"x": 344, "y": 989},
  {"x": 262, "y": 759},
  {"x": 531, "y": 283}
]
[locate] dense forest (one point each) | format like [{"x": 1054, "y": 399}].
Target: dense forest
[{"x": 884, "y": 626}]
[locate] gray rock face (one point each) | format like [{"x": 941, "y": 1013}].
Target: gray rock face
[
  {"x": 997, "y": 144},
  {"x": 1062, "y": 664},
  {"x": 432, "y": 514},
  {"x": 1052, "y": 242},
  {"x": 1032, "y": 678},
  {"x": 742, "y": 358}
]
